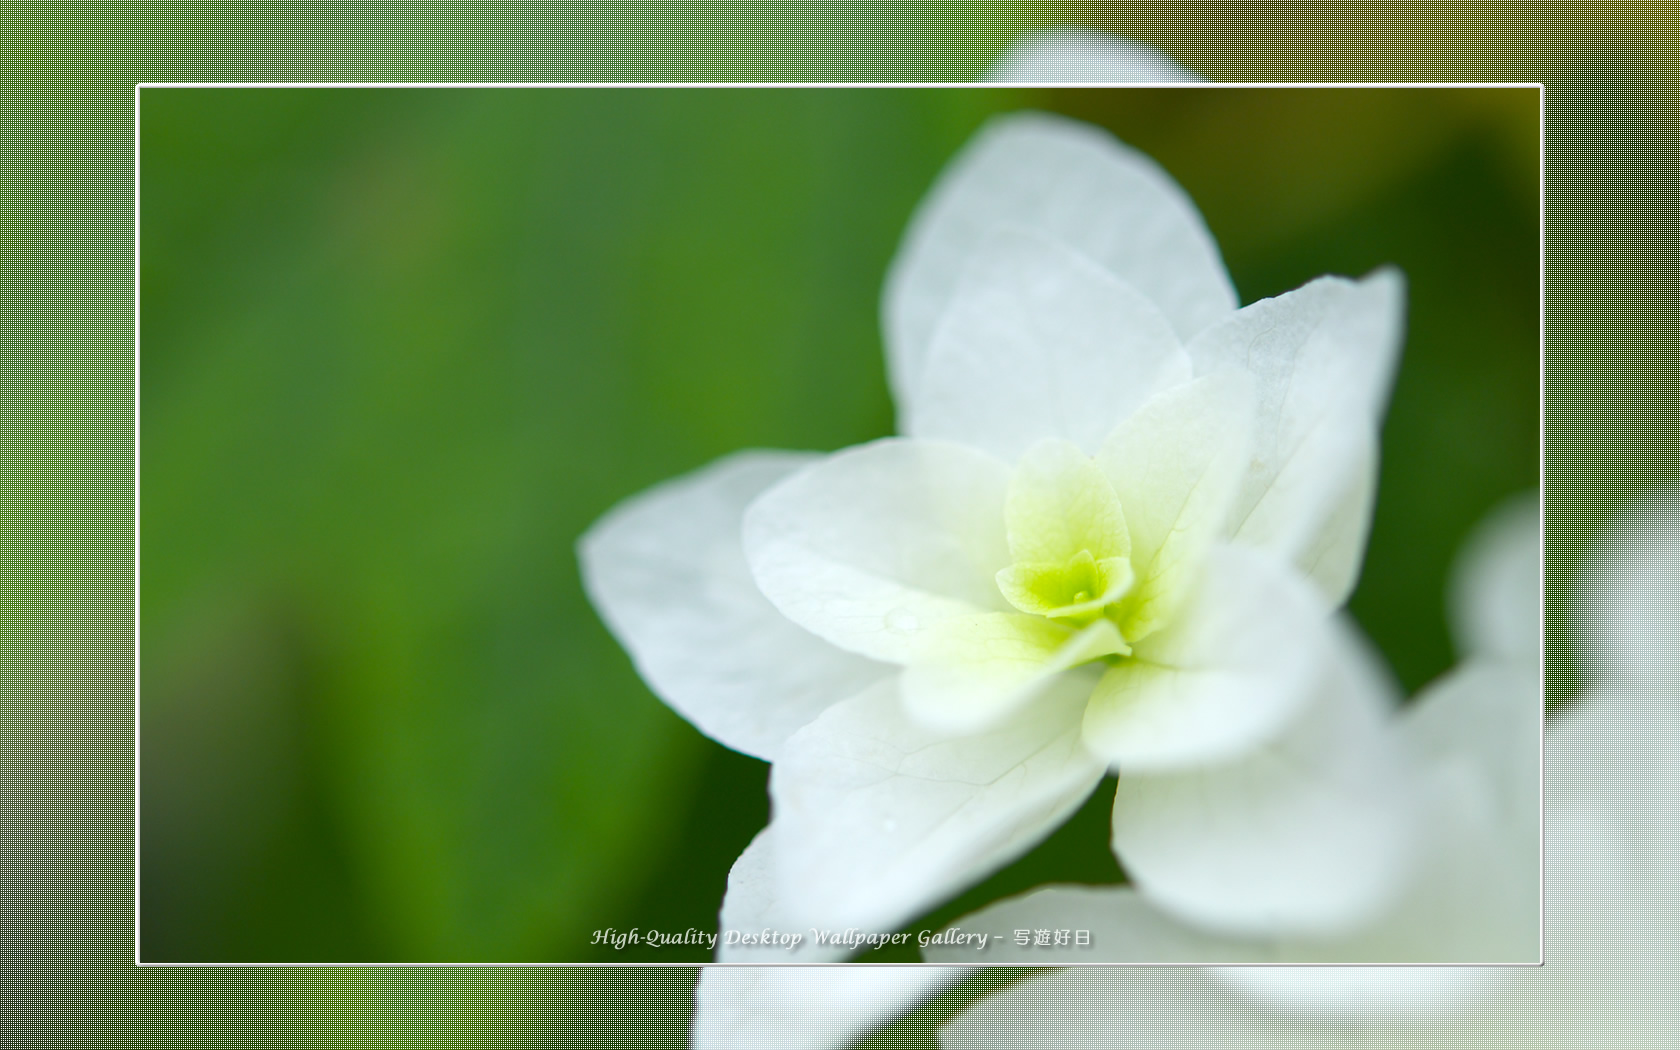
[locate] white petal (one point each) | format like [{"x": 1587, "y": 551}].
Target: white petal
[
  {"x": 1318, "y": 509},
  {"x": 1323, "y": 357},
  {"x": 1039, "y": 341},
  {"x": 1474, "y": 895},
  {"x": 1001, "y": 673},
  {"x": 1068, "y": 55},
  {"x": 878, "y": 819},
  {"x": 1630, "y": 609},
  {"x": 1309, "y": 834},
  {"x": 666, "y": 571},
  {"x": 1487, "y": 717},
  {"x": 1494, "y": 595},
  {"x": 1473, "y": 892},
  {"x": 752, "y": 906},
  {"x": 874, "y": 547},
  {"x": 1176, "y": 465},
  {"x": 1613, "y": 823},
  {"x": 806, "y": 1007},
  {"x": 1233, "y": 670},
  {"x": 1316, "y": 512},
  {"x": 1074, "y": 184},
  {"x": 1329, "y": 343},
  {"x": 1061, "y": 503}
]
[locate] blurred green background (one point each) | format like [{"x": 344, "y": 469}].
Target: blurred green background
[{"x": 399, "y": 348}]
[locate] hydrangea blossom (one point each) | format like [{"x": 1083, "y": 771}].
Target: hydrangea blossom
[{"x": 1111, "y": 537}]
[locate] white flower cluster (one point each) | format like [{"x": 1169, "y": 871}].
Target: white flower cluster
[{"x": 1111, "y": 537}]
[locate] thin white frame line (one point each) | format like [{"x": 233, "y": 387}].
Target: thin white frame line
[
  {"x": 1541, "y": 743},
  {"x": 137, "y": 961},
  {"x": 762, "y": 85},
  {"x": 616, "y": 85}
]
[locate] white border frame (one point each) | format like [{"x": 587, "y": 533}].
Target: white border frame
[{"x": 1193, "y": 85}]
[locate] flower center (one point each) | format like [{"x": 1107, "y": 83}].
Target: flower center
[
  {"x": 1076, "y": 590},
  {"x": 1068, "y": 538}
]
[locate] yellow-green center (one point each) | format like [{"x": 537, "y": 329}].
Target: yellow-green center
[
  {"x": 1069, "y": 541},
  {"x": 1076, "y": 590}
]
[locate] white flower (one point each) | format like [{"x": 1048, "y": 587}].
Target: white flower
[
  {"x": 1069, "y": 54},
  {"x": 1474, "y": 894},
  {"x": 1109, "y": 538},
  {"x": 1612, "y": 917}
]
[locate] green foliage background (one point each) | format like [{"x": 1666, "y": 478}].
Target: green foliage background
[{"x": 401, "y": 347}]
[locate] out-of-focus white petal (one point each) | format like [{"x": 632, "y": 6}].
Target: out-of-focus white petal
[
  {"x": 1073, "y": 184},
  {"x": 1487, "y": 717},
  {"x": 1630, "y": 608},
  {"x": 1176, "y": 465},
  {"x": 806, "y": 1007},
  {"x": 1475, "y": 895},
  {"x": 1234, "y": 669},
  {"x": 1323, "y": 358},
  {"x": 1310, "y": 834},
  {"x": 1072, "y": 55},
  {"x": 1612, "y": 917},
  {"x": 874, "y": 547},
  {"x": 1613, "y": 826},
  {"x": 666, "y": 571},
  {"x": 1494, "y": 593},
  {"x": 877, "y": 819},
  {"x": 1040, "y": 342}
]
